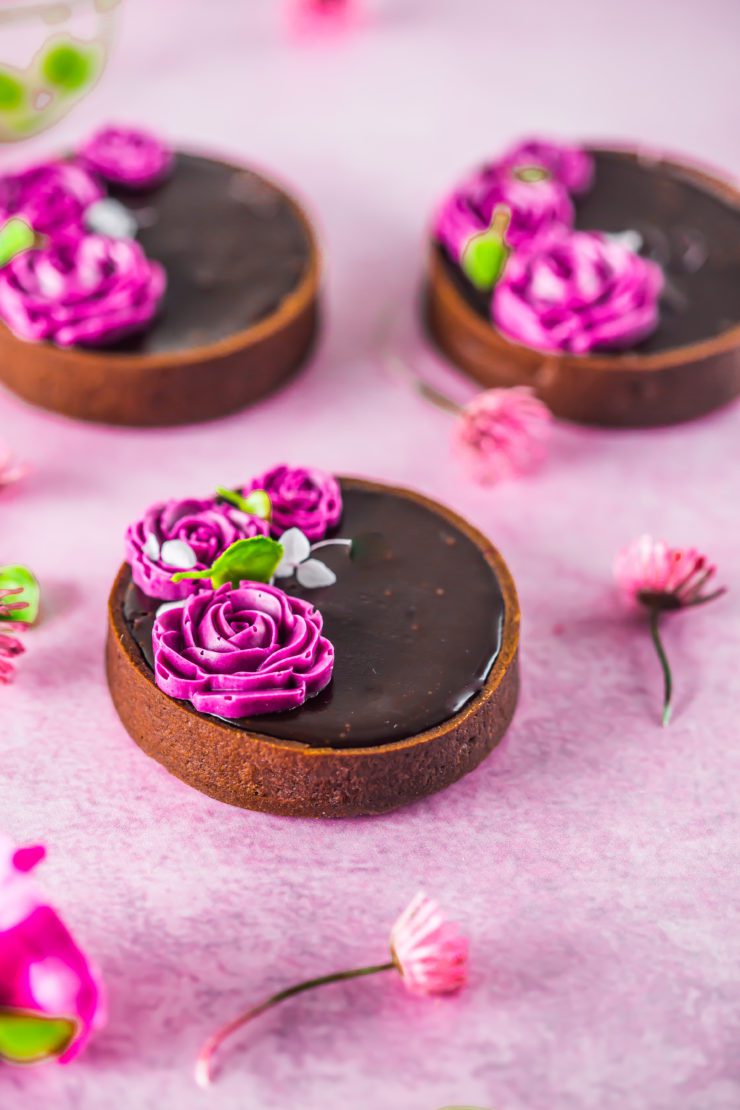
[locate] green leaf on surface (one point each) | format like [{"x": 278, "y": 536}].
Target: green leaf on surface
[{"x": 15, "y": 236}]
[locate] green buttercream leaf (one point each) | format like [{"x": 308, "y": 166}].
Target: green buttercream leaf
[
  {"x": 26, "y": 1038},
  {"x": 256, "y": 504},
  {"x": 12, "y": 578},
  {"x": 483, "y": 259},
  {"x": 15, "y": 236},
  {"x": 252, "y": 560}
]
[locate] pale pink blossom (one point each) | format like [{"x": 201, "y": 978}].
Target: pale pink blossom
[
  {"x": 662, "y": 579},
  {"x": 651, "y": 573},
  {"x": 430, "y": 952},
  {"x": 503, "y": 433}
]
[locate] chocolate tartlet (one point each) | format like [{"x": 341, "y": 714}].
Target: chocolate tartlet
[
  {"x": 238, "y": 317},
  {"x": 689, "y": 221},
  {"x": 424, "y": 620}
]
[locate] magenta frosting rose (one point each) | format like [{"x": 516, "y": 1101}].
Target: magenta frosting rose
[
  {"x": 127, "y": 156},
  {"x": 91, "y": 290},
  {"x": 535, "y": 207},
  {"x": 572, "y": 166},
  {"x": 242, "y": 651},
  {"x": 184, "y": 535},
  {"x": 51, "y": 197},
  {"x": 577, "y": 291},
  {"x": 301, "y": 497}
]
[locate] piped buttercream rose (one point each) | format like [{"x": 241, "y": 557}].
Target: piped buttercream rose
[
  {"x": 91, "y": 290},
  {"x": 577, "y": 292},
  {"x": 51, "y": 197},
  {"x": 571, "y": 165},
  {"x": 301, "y": 497},
  {"x": 533, "y": 207},
  {"x": 127, "y": 156},
  {"x": 241, "y": 651},
  {"x": 183, "y": 535}
]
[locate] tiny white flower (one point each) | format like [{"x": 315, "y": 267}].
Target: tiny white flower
[
  {"x": 178, "y": 554},
  {"x": 296, "y": 548}
]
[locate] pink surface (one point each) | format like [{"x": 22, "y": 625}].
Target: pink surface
[{"x": 593, "y": 860}]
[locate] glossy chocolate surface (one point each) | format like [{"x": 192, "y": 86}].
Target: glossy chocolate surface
[
  {"x": 232, "y": 246},
  {"x": 692, "y": 232},
  {"x": 415, "y": 616}
]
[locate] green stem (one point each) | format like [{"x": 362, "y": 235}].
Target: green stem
[
  {"x": 667, "y": 676},
  {"x": 211, "y": 1046}
]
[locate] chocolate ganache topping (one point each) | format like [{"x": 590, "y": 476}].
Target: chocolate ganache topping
[{"x": 415, "y": 617}]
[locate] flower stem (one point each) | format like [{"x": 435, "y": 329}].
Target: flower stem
[
  {"x": 211, "y": 1046},
  {"x": 667, "y": 676}
]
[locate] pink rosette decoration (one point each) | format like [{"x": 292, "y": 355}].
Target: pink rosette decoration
[
  {"x": 42, "y": 970},
  {"x": 577, "y": 292},
  {"x": 242, "y": 651},
  {"x": 89, "y": 291},
  {"x": 51, "y": 197},
  {"x": 572, "y": 166},
  {"x": 127, "y": 156},
  {"x": 301, "y": 497},
  {"x": 535, "y": 207},
  {"x": 183, "y": 535}
]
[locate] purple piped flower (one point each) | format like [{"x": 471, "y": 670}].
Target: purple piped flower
[
  {"x": 240, "y": 652},
  {"x": 42, "y": 970},
  {"x": 127, "y": 156},
  {"x": 51, "y": 197},
  {"x": 572, "y": 166},
  {"x": 88, "y": 291},
  {"x": 577, "y": 292},
  {"x": 183, "y": 535},
  {"x": 535, "y": 207},
  {"x": 301, "y": 497}
]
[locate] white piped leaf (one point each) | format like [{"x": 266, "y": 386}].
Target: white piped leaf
[
  {"x": 178, "y": 554},
  {"x": 313, "y": 574},
  {"x": 151, "y": 548}
]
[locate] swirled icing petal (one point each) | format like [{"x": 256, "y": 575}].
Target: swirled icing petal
[
  {"x": 127, "y": 156},
  {"x": 577, "y": 292},
  {"x": 240, "y": 652},
  {"x": 300, "y": 497}
]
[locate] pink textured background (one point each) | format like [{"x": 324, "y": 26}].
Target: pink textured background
[{"x": 594, "y": 859}]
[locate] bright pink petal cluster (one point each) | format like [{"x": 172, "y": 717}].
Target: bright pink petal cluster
[
  {"x": 41, "y": 967},
  {"x": 308, "y": 16},
  {"x": 430, "y": 952},
  {"x": 535, "y": 207},
  {"x": 571, "y": 165},
  {"x": 89, "y": 290},
  {"x": 51, "y": 197},
  {"x": 127, "y": 156},
  {"x": 241, "y": 651},
  {"x": 577, "y": 292},
  {"x": 651, "y": 573},
  {"x": 184, "y": 534},
  {"x": 301, "y": 497},
  {"x": 503, "y": 433}
]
